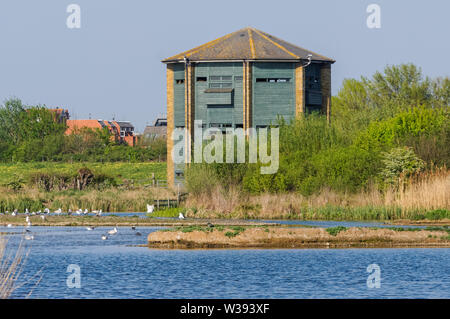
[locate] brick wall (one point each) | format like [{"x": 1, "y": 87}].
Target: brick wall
[
  {"x": 299, "y": 89},
  {"x": 170, "y": 125}
]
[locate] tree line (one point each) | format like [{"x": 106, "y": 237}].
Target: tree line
[
  {"x": 392, "y": 125},
  {"x": 33, "y": 133}
]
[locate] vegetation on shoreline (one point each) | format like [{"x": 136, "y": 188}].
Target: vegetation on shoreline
[
  {"x": 384, "y": 156},
  {"x": 300, "y": 237}
]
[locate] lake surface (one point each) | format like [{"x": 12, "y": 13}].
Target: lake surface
[{"x": 114, "y": 268}]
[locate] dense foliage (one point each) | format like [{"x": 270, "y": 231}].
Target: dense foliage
[
  {"x": 395, "y": 123},
  {"x": 32, "y": 133}
]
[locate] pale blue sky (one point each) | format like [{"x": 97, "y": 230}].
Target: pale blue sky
[{"x": 111, "y": 66}]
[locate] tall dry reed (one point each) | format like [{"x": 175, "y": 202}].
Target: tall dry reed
[{"x": 427, "y": 191}]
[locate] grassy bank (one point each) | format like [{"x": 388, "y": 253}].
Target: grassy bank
[
  {"x": 134, "y": 220},
  {"x": 109, "y": 200},
  {"x": 285, "y": 237},
  {"x": 139, "y": 173}
]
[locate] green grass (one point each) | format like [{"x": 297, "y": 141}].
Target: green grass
[
  {"x": 140, "y": 173},
  {"x": 366, "y": 213},
  {"x": 168, "y": 212},
  {"x": 335, "y": 230}
]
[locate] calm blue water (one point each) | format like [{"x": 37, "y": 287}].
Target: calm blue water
[{"x": 114, "y": 269}]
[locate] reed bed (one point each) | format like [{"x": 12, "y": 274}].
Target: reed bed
[
  {"x": 420, "y": 197},
  {"x": 11, "y": 266}
]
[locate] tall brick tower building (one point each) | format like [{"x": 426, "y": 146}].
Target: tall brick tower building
[{"x": 244, "y": 79}]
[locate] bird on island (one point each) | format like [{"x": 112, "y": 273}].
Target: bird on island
[
  {"x": 69, "y": 212},
  {"x": 59, "y": 211},
  {"x": 181, "y": 216},
  {"x": 150, "y": 208},
  {"x": 113, "y": 231},
  {"x": 86, "y": 211},
  {"x": 14, "y": 213},
  {"x": 47, "y": 211},
  {"x": 79, "y": 212},
  {"x": 26, "y": 211}
]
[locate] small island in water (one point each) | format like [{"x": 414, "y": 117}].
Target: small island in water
[{"x": 199, "y": 237}]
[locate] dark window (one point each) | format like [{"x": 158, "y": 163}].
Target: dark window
[
  {"x": 201, "y": 79},
  {"x": 179, "y": 174},
  {"x": 273, "y": 80},
  {"x": 239, "y": 125},
  {"x": 221, "y": 81},
  {"x": 179, "y": 81}
]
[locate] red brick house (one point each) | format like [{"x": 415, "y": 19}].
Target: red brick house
[{"x": 120, "y": 130}]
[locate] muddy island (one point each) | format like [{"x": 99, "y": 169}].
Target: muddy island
[{"x": 195, "y": 237}]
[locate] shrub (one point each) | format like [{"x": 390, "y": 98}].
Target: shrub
[{"x": 400, "y": 162}]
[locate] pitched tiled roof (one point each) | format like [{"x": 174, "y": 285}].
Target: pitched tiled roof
[
  {"x": 78, "y": 124},
  {"x": 248, "y": 44}
]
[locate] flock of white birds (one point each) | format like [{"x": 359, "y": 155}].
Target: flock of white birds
[{"x": 43, "y": 214}]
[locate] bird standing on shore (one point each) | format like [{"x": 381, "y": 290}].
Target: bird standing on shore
[
  {"x": 181, "y": 216},
  {"x": 150, "y": 208}
]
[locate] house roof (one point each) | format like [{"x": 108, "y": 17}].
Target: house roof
[
  {"x": 124, "y": 124},
  {"x": 78, "y": 124},
  {"x": 247, "y": 44}
]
